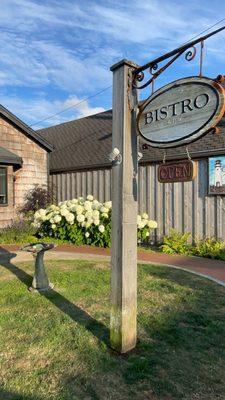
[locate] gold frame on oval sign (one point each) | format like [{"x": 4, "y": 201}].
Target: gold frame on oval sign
[{"x": 189, "y": 138}]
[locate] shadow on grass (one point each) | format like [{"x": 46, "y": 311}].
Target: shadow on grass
[
  {"x": 6, "y": 395},
  {"x": 181, "y": 351},
  {"x": 98, "y": 329}
]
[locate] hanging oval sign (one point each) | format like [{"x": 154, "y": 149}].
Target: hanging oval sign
[{"x": 181, "y": 112}]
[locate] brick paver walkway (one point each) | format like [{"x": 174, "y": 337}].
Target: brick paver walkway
[{"x": 206, "y": 267}]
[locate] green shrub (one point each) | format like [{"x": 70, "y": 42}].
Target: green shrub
[
  {"x": 177, "y": 243},
  {"x": 20, "y": 231},
  {"x": 210, "y": 248}
]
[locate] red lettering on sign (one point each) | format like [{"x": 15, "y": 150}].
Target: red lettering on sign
[{"x": 181, "y": 171}]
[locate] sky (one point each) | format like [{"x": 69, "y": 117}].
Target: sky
[{"x": 56, "y": 53}]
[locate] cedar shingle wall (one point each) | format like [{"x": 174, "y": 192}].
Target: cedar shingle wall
[{"x": 33, "y": 171}]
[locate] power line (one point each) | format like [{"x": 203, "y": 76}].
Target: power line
[
  {"x": 72, "y": 106},
  {"x": 205, "y": 30},
  {"x": 80, "y": 140},
  {"x": 108, "y": 87}
]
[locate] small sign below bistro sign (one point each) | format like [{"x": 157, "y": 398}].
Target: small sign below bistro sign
[
  {"x": 179, "y": 171},
  {"x": 181, "y": 112}
]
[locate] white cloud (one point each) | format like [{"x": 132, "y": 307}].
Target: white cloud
[
  {"x": 67, "y": 47},
  {"x": 39, "y": 109}
]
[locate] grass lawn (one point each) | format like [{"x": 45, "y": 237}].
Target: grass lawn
[{"x": 55, "y": 346}]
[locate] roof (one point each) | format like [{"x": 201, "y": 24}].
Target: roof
[
  {"x": 80, "y": 144},
  {"x": 86, "y": 143},
  {"x": 7, "y": 157},
  {"x": 6, "y": 114}
]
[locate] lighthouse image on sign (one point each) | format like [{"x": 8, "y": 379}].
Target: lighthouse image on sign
[{"x": 217, "y": 175}]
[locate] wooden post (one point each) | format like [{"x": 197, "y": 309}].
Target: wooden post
[{"x": 123, "y": 326}]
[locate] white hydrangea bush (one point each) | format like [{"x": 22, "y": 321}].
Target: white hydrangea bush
[{"x": 84, "y": 221}]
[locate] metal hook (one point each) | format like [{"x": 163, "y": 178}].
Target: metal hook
[
  {"x": 189, "y": 157},
  {"x": 153, "y": 86},
  {"x": 201, "y": 57}
]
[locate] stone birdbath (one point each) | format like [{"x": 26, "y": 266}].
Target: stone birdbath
[{"x": 40, "y": 280}]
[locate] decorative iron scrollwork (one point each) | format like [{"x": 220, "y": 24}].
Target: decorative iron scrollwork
[
  {"x": 153, "y": 66},
  {"x": 190, "y": 55}
]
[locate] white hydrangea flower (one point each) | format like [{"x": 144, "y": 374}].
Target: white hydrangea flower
[
  {"x": 70, "y": 218},
  {"x": 80, "y": 218},
  {"x": 145, "y": 216},
  {"x": 141, "y": 225},
  {"x": 147, "y": 233},
  {"x": 88, "y": 214},
  {"x": 53, "y": 226},
  {"x": 42, "y": 212},
  {"x": 52, "y": 220},
  {"x": 95, "y": 214},
  {"x": 87, "y": 234},
  {"x": 57, "y": 219},
  {"x": 87, "y": 205},
  {"x": 101, "y": 228},
  {"x": 36, "y": 214},
  {"x": 79, "y": 209},
  {"x": 83, "y": 224},
  {"x": 64, "y": 211},
  {"x": 152, "y": 224},
  {"x": 90, "y": 197},
  {"x": 96, "y": 222},
  {"x": 108, "y": 204},
  {"x": 95, "y": 204},
  {"x": 104, "y": 209},
  {"x": 53, "y": 207}
]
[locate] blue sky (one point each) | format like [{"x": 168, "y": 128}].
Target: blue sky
[{"x": 55, "y": 53}]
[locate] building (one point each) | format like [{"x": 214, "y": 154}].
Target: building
[
  {"x": 24, "y": 156},
  {"x": 79, "y": 165},
  {"x": 73, "y": 159}
]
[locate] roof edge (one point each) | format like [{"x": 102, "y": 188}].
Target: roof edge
[
  {"x": 25, "y": 128},
  {"x": 80, "y": 169},
  {"x": 173, "y": 157},
  {"x": 42, "y": 130}
]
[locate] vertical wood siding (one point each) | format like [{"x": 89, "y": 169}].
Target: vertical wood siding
[{"x": 185, "y": 206}]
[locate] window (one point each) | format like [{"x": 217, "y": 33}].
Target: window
[{"x": 3, "y": 186}]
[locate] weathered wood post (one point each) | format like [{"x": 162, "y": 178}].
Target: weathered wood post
[{"x": 123, "y": 326}]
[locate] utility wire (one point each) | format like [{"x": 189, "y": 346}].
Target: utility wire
[
  {"x": 108, "y": 87},
  {"x": 205, "y": 30},
  {"x": 72, "y": 106}
]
